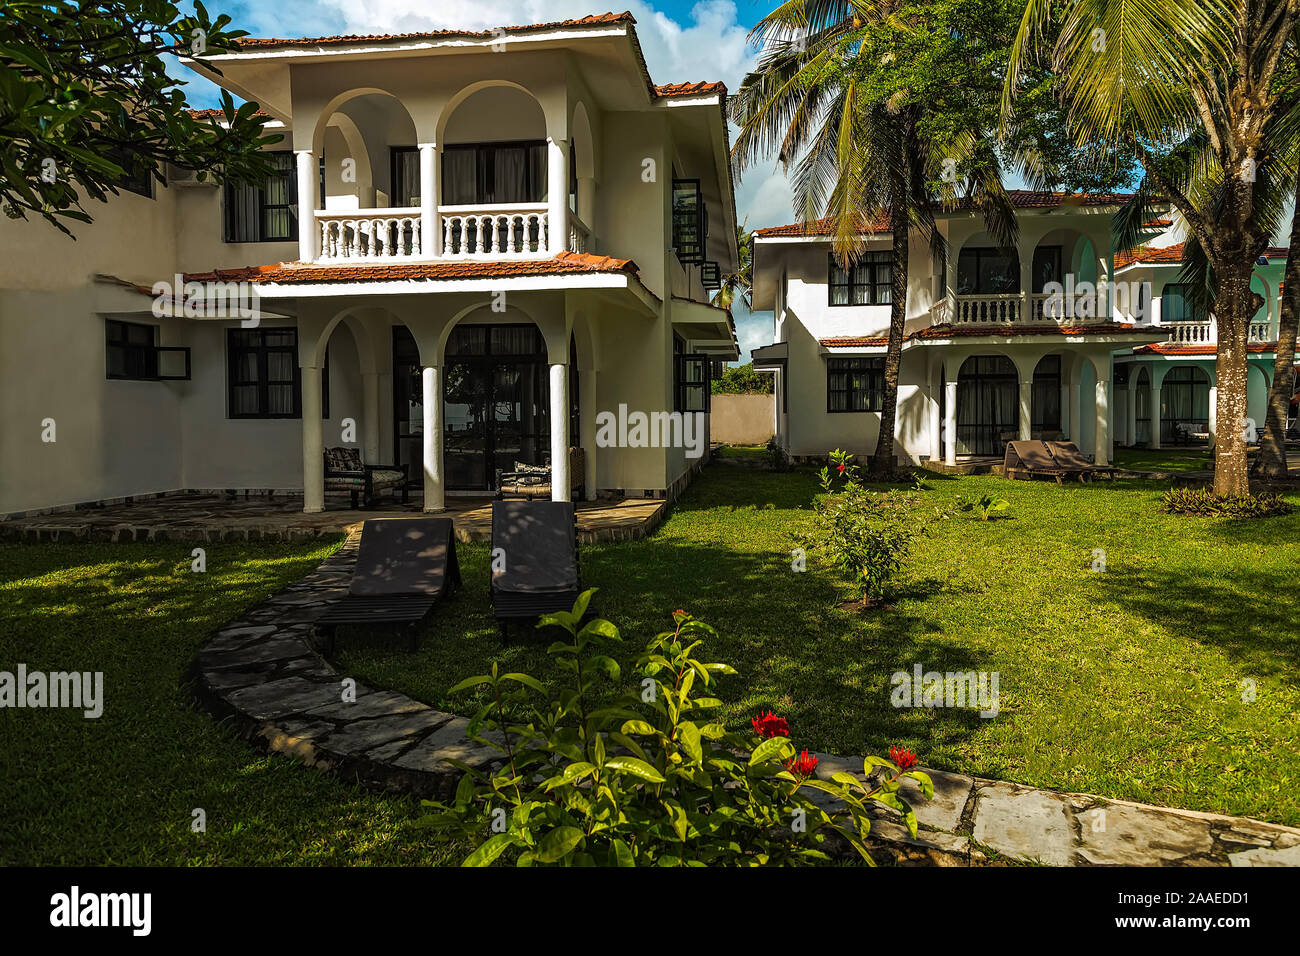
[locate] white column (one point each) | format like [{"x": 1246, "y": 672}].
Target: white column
[
  {"x": 1157, "y": 380},
  {"x": 559, "y": 432},
  {"x": 430, "y": 234},
  {"x": 950, "y": 422},
  {"x": 1131, "y": 427},
  {"x": 434, "y": 480},
  {"x": 308, "y": 185},
  {"x": 370, "y": 416},
  {"x": 557, "y": 196},
  {"x": 1102, "y": 434},
  {"x": 1026, "y": 407},
  {"x": 935, "y": 424},
  {"x": 1213, "y": 424},
  {"x": 313, "y": 446},
  {"x": 587, "y": 426}
]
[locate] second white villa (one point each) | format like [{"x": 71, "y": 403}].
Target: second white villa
[{"x": 1000, "y": 347}]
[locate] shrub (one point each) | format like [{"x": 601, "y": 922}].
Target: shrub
[
  {"x": 868, "y": 534},
  {"x": 743, "y": 380},
  {"x": 1204, "y": 502},
  {"x": 652, "y": 778},
  {"x": 985, "y": 508},
  {"x": 777, "y": 455}
]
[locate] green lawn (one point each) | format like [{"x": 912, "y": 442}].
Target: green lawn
[
  {"x": 121, "y": 789},
  {"x": 1124, "y": 683},
  {"x": 1164, "y": 459},
  {"x": 743, "y": 452}
]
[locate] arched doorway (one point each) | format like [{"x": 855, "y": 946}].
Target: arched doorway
[
  {"x": 1184, "y": 403},
  {"x": 1045, "y": 404},
  {"x": 988, "y": 406}
]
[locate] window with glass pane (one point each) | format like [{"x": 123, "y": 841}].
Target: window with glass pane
[
  {"x": 482, "y": 173},
  {"x": 691, "y": 373},
  {"x": 867, "y": 282},
  {"x": 688, "y": 221},
  {"x": 405, "y": 176},
  {"x": 138, "y": 178},
  {"x": 1046, "y": 266},
  {"x": 130, "y": 350},
  {"x": 982, "y": 271},
  {"x": 264, "y": 380},
  {"x": 256, "y": 213},
  {"x": 855, "y": 384},
  {"x": 1176, "y": 305}
]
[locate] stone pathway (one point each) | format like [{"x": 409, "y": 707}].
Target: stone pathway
[
  {"x": 263, "y": 674},
  {"x": 209, "y": 516}
]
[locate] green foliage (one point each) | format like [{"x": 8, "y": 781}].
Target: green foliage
[
  {"x": 652, "y": 778},
  {"x": 869, "y": 534},
  {"x": 86, "y": 102},
  {"x": 1204, "y": 502},
  {"x": 985, "y": 508},
  {"x": 743, "y": 380},
  {"x": 739, "y": 284},
  {"x": 777, "y": 455}
]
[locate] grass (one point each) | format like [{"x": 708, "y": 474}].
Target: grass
[
  {"x": 1126, "y": 683},
  {"x": 121, "y": 789},
  {"x": 1164, "y": 459},
  {"x": 743, "y": 452}
]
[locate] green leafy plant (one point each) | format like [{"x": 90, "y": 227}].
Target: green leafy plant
[
  {"x": 653, "y": 778},
  {"x": 777, "y": 456},
  {"x": 986, "y": 508},
  {"x": 1203, "y": 502},
  {"x": 868, "y": 534}
]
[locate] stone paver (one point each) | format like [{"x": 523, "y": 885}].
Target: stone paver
[{"x": 264, "y": 673}]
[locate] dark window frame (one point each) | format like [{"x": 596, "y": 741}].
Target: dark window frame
[
  {"x": 234, "y": 348},
  {"x": 117, "y": 334},
  {"x": 871, "y": 368},
  {"x": 139, "y": 183},
  {"x": 976, "y": 275},
  {"x": 485, "y": 190},
  {"x": 1181, "y": 290},
  {"x": 393, "y": 196},
  {"x": 863, "y": 276},
  {"x": 228, "y": 203},
  {"x": 689, "y": 249}
]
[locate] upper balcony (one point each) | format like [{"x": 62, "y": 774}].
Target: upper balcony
[{"x": 496, "y": 183}]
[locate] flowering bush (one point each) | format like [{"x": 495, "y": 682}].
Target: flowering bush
[
  {"x": 653, "y": 778},
  {"x": 866, "y": 533}
]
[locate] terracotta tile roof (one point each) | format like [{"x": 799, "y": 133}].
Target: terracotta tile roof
[
  {"x": 1099, "y": 328},
  {"x": 1165, "y": 348},
  {"x": 220, "y": 114},
  {"x": 1020, "y": 199},
  {"x": 1173, "y": 255},
  {"x": 853, "y": 342},
  {"x": 597, "y": 18},
  {"x": 1158, "y": 224},
  {"x": 566, "y": 263},
  {"x": 702, "y": 88}
]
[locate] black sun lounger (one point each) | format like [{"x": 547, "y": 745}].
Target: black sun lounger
[
  {"x": 534, "y": 559},
  {"x": 1025, "y": 459},
  {"x": 404, "y": 567},
  {"x": 1068, "y": 455}
]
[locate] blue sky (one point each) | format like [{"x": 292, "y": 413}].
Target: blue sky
[{"x": 682, "y": 41}]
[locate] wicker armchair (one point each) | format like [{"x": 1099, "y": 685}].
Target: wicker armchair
[
  {"x": 534, "y": 481},
  {"x": 346, "y": 472}
]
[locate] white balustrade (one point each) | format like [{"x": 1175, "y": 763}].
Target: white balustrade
[
  {"x": 1003, "y": 309},
  {"x": 494, "y": 232},
  {"x": 579, "y": 235},
  {"x": 1204, "y": 333},
  {"x": 369, "y": 234}
]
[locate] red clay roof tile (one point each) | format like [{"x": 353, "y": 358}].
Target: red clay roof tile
[
  {"x": 596, "y": 18},
  {"x": 1165, "y": 348},
  {"x": 850, "y": 341},
  {"x": 702, "y": 88},
  {"x": 566, "y": 263},
  {"x": 1099, "y": 328}
]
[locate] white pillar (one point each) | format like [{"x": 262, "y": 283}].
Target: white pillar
[
  {"x": 587, "y": 427},
  {"x": 950, "y": 422},
  {"x": 1102, "y": 434},
  {"x": 434, "y": 479},
  {"x": 560, "y": 432},
  {"x": 1212, "y": 426},
  {"x": 557, "y": 196},
  {"x": 1157, "y": 380},
  {"x": 308, "y": 184},
  {"x": 934, "y": 422},
  {"x": 1131, "y": 429},
  {"x": 370, "y": 416},
  {"x": 1026, "y": 407},
  {"x": 430, "y": 234},
  {"x": 313, "y": 446}
]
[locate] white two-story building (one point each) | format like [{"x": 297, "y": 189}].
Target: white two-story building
[
  {"x": 1058, "y": 340},
  {"x": 474, "y": 244}
]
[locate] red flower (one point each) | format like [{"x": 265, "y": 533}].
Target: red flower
[
  {"x": 903, "y": 759},
  {"x": 803, "y": 765},
  {"x": 679, "y": 611},
  {"x": 770, "y": 725},
  {"x": 841, "y": 467}
]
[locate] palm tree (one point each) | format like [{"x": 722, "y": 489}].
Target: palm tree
[
  {"x": 739, "y": 283},
  {"x": 1189, "y": 87},
  {"x": 859, "y": 156}
]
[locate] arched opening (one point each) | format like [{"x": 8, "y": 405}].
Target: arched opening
[
  {"x": 1065, "y": 261},
  {"x": 988, "y": 406},
  {"x": 1045, "y": 403},
  {"x": 1142, "y": 408},
  {"x": 1184, "y": 405}
]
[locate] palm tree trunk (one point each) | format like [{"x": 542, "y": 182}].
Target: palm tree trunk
[
  {"x": 1272, "y": 443},
  {"x": 1231, "y": 308},
  {"x": 883, "y": 462}
]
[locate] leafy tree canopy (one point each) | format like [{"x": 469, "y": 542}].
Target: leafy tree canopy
[{"x": 86, "y": 104}]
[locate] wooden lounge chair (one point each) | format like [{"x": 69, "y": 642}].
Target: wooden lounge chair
[
  {"x": 1026, "y": 459},
  {"x": 404, "y": 567},
  {"x": 1068, "y": 455},
  {"x": 534, "y": 560}
]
